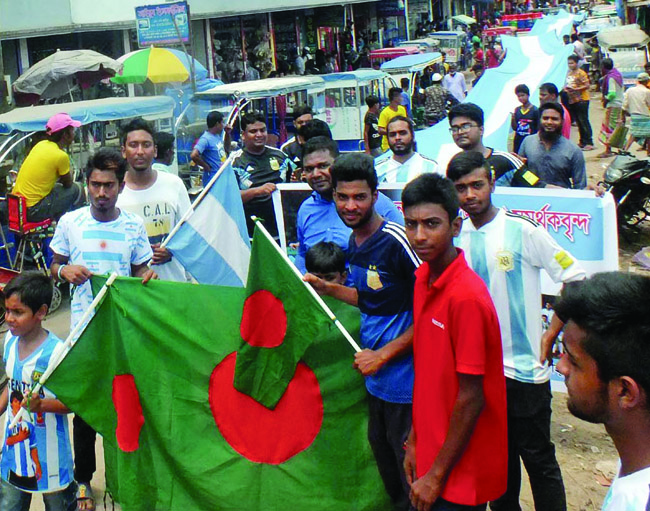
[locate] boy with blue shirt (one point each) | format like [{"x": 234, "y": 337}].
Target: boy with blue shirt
[
  {"x": 211, "y": 149},
  {"x": 317, "y": 217},
  {"x": 36, "y": 454},
  {"x": 382, "y": 266},
  {"x": 98, "y": 239}
]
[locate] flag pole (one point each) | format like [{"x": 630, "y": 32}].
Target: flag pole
[
  {"x": 311, "y": 290},
  {"x": 194, "y": 205},
  {"x": 68, "y": 344}
]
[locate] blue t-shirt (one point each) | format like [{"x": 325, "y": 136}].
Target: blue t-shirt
[
  {"x": 318, "y": 221},
  {"x": 382, "y": 270},
  {"x": 43, "y": 436},
  {"x": 210, "y": 146}
]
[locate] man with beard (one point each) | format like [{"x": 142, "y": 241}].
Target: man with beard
[
  {"x": 605, "y": 366},
  {"x": 509, "y": 252},
  {"x": 466, "y": 127},
  {"x": 382, "y": 266},
  {"x": 402, "y": 163},
  {"x": 317, "y": 217},
  {"x": 259, "y": 168},
  {"x": 159, "y": 198},
  {"x": 555, "y": 159}
]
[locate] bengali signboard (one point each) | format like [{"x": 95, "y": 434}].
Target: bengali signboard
[{"x": 163, "y": 24}]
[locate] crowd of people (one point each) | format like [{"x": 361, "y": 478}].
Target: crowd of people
[{"x": 455, "y": 358}]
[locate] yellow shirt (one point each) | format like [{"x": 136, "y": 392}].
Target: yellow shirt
[
  {"x": 384, "y": 118},
  {"x": 40, "y": 171}
]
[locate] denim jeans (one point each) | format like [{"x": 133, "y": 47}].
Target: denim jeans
[{"x": 13, "y": 499}]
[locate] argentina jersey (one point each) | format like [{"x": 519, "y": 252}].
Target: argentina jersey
[
  {"x": 382, "y": 270},
  {"x": 390, "y": 170},
  {"x": 508, "y": 253},
  {"x": 102, "y": 247},
  {"x": 36, "y": 453}
]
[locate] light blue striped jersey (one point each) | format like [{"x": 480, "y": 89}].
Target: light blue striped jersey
[
  {"x": 391, "y": 171},
  {"x": 509, "y": 253},
  {"x": 102, "y": 247},
  {"x": 44, "y": 433}
]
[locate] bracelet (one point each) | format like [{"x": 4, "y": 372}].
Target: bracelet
[{"x": 58, "y": 273}]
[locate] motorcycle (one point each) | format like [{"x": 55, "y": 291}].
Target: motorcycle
[{"x": 628, "y": 179}]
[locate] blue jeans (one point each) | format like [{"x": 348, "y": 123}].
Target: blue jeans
[{"x": 13, "y": 499}]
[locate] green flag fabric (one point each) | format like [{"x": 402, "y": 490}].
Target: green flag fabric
[
  {"x": 153, "y": 374},
  {"x": 281, "y": 319}
]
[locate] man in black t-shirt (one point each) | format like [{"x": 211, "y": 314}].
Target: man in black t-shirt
[
  {"x": 371, "y": 136},
  {"x": 302, "y": 114},
  {"x": 466, "y": 126},
  {"x": 259, "y": 168}
]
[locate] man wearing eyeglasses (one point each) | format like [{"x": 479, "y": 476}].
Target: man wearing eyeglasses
[{"x": 466, "y": 128}]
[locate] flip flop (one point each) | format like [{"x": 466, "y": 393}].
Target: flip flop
[
  {"x": 605, "y": 155},
  {"x": 85, "y": 495}
]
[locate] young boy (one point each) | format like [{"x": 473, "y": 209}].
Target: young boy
[
  {"x": 605, "y": 366},
  {"x": 456, "y": 453},
  {"x": 36, "y": 453},
  {"x": 525, "y": 119},
  {"x": 371, "y": 136},
  {"x": 326, "y": 260}
]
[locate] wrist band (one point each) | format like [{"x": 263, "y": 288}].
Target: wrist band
[{"x": 58, "y": 273}]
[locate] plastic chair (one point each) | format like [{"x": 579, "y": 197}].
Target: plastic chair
[{"x": 30, "y": 234}]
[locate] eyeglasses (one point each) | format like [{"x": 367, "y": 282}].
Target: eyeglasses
[{"x": 463, "y": 128}]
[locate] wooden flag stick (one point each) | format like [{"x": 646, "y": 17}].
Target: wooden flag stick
[
  {"x": 68, "y": 344},
  {"x": 320, "y": 301}
]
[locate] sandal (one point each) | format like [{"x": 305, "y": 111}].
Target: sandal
[
  {"x": 85, "y": 497},
  {"x": 605, "y": 155}
]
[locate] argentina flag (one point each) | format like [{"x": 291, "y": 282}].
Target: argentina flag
[{"x": 211, "y": 241}]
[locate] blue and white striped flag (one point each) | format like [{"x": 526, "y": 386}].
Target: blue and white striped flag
[{"x": 212, "y": 243}]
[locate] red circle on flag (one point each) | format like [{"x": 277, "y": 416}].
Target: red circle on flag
[
  {"x": 257, "y": 433},
  {"x": 264, "y": 321}
]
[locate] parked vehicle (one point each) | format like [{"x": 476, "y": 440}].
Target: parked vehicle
[
  {"x": 628, "y": 179},
  {"x": 627, "y": 46}
]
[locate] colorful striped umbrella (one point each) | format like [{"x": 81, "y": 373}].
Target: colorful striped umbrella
[{"x": 158, "y": 65}]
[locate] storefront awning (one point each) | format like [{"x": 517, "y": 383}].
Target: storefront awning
[{"x": 464, "y": 19}]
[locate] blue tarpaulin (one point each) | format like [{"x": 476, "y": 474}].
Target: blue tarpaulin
[{"x": 34, "y": 118}]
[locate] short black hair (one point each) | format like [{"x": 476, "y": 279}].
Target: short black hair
[
  {"x": 469, "y": 110},
  {"x": 33, "y": 288},
  {"x": 394, "y": 91},
  {"x": 574, "y": 37},
  {"x": 16, "y": 395},
  {"x": 549, "y": 88},
  {"x": 401, "y": 118},
  {"x": 320, "y": 144},
  {"x": 107, "y": 159},
  {"x": 325, "y": 257},
  {"x": 354, "y": 167},
  {"x": 607, "y": 64},
  {"x": 574, "y": 58},
  {"x": 432, "y": 188},
  {"x": 300, "y": 110},
  {"x": 251, "y": 118},
  {"x": 522, "y": 88},
  {"x": 613, "y": 310},
  {"x": 137, "y": 124},
  {"x": 404, "y": 82},
  {"x": 372, "y": 100},
  {"x": 213, "y": 119},
  {"x": 552, "y": 106},
  {"x": 465, "y": 163},
  {"x": 314, "y": 128},
  {"x": 164, "y": 142}
]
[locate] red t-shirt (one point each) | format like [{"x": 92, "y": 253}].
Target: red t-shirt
[{"x": 457, "y": 331}]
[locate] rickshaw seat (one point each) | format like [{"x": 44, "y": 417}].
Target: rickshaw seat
[{"x": 17, "y": 213}]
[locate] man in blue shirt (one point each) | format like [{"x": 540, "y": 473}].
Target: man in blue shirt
[
  {"x": 212, "y": 147},
  {"x": 317, "y": 216},
  {"x": 382, "y": 266},
  {"x": 556, "y": 160}
]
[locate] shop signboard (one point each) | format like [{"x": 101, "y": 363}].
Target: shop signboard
[{"x": 163, "y": 24}]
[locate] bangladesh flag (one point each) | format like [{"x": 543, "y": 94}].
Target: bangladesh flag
[{"x": 154, "y": 374}]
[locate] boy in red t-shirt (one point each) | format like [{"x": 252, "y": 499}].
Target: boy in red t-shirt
[{"x": 456, "y": 453}]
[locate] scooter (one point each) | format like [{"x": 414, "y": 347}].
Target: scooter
[{"x": 628, "y": 179}]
